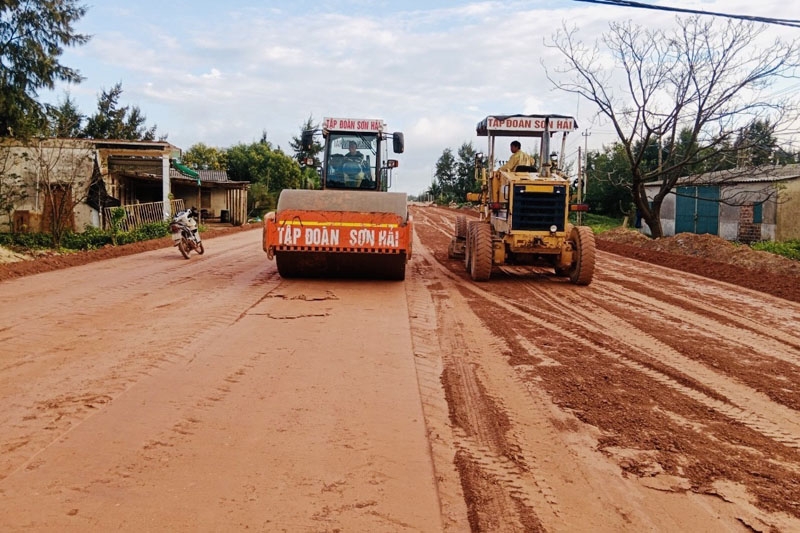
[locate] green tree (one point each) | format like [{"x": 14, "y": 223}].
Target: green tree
[
  {"x": 465, "y": 172},
  {"x": 310, "y": 174},
  {"x": 608, "y": 184},
  {"x": 454, "y": 176},
  {"x": 786, "y": 157},
  {"x": 296, "y": 143},
  {"x": 33, "y": 35},
  {"x": 446, "y": 175},
  {"x": 112, "y": 121},
  {"x": 756, "y": 144},
  {"x": 65, "y": 120},
  {"x": 204, "y": 157},
  {"x": 261, "y": 165},
  {"x": 434, "y": 191},
  {"x": 705, "y": 75}
]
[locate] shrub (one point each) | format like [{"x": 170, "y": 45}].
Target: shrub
[
  {"x": 790, "y": 249},
  {"x": 30, "y": 241},
  {"x": 145, "y": 232},
  {"x": 90, "y": 239}
]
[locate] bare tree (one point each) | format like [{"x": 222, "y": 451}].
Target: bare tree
[
  {"x": 61, "y": 171},
  {"x": 687, "y": 92},
  {"x": 12, "y": 186}
]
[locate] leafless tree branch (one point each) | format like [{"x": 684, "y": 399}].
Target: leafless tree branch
[{"x": 691, "y": 90}]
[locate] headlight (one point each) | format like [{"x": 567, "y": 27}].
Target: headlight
[{"x": 553, "y": 228}]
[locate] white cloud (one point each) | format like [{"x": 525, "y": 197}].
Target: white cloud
[{"x": 223, "y": 73}]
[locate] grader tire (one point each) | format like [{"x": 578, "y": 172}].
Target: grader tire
[
  {"x": 582, "y": 269},
  {"x": 468, "y": 247},
  {"x": 481, "y": 267},
  {"x": 461, "y": 226},
  {"x": 451, "y": 249},
  {"x": 455, "y": 250}
]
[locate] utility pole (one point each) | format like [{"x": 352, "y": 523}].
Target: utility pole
[
  {"x": 585, "y": 136},
  {"x": 578, "y": 217}
]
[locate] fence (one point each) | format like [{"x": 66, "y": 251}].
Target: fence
[{"x": 139, "y": 214}]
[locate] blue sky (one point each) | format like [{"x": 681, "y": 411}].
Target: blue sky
[{"x": 221, "y": 73}]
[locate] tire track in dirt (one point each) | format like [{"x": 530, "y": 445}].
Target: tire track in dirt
[
  {"x": 537, "y": 455},
  {"x": 715, "y": 322},
  {"x": 611, "y": 352},
  {"x": 767, "y": 416},
  {"x": 444, "y": 225},
  {"x": 754, "y": 356},
  {"x": 160, "y": 449},
  {"x": 718, "y": 298},
  {"x": 429, "y": 366},
  {"x": 534, "y": 453},
  {"x": 742, "y": 404},
  {"x": 495, "y": 497},
  {"x": 782, "y": 318}
]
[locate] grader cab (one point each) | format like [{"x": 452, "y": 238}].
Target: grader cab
[{"x": 524, "y": 212}]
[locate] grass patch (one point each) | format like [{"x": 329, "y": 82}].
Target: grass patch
[
  {"x": 598, "y": 223},
  {"x": 790, "y": 249}
]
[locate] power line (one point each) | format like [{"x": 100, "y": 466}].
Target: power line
[{"x": 627, "y": 3}]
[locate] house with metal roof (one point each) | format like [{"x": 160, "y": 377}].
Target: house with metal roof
[
  {"x": 145, "y": 178},
  {"x": 737, "y": 204},
  {"x": 212, "y": 193}
]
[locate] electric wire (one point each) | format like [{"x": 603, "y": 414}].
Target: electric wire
[{"x": 793, "y": 23}]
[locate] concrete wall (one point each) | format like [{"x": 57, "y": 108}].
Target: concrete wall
[
  {"x": 219, "y": 201},
  {"x": 53, "y": 161},
  {"x": 218, "y": 198},
  {"x": 736, "y": 212},
  {"x": 736, "y": 221},
  {"x": 788, "y": 211}
]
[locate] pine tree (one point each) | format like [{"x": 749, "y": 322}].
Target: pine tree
[{"x": 33, "y": 35}]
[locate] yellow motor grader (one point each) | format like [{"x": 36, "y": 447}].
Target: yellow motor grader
[{"x": 524, "y": 213}]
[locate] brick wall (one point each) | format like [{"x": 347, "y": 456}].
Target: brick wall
[{"x": 748, "y": 230}]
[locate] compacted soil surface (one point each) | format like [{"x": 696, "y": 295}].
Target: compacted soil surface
[{"x": 150, "y": 392}]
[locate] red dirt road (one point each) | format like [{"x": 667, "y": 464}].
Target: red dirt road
[{"x": 148, "y": 392}]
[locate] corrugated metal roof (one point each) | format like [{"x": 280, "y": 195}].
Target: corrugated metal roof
[
  {"x": 768, "y": 174},
  {"x": 213, "y": 175},
  {"x": 219, "y": 176}
]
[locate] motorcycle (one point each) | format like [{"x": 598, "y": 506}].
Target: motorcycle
[{"x": 184, "y": 233}]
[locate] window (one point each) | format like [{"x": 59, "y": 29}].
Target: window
[
  {"x": 351, "y": 161},
  {"x": 758, "y": 213}
]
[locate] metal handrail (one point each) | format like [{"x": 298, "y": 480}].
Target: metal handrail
[{"x": 137, "y": 215}]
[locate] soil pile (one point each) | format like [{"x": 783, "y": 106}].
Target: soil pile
[{"x": 712, "y": 257}]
